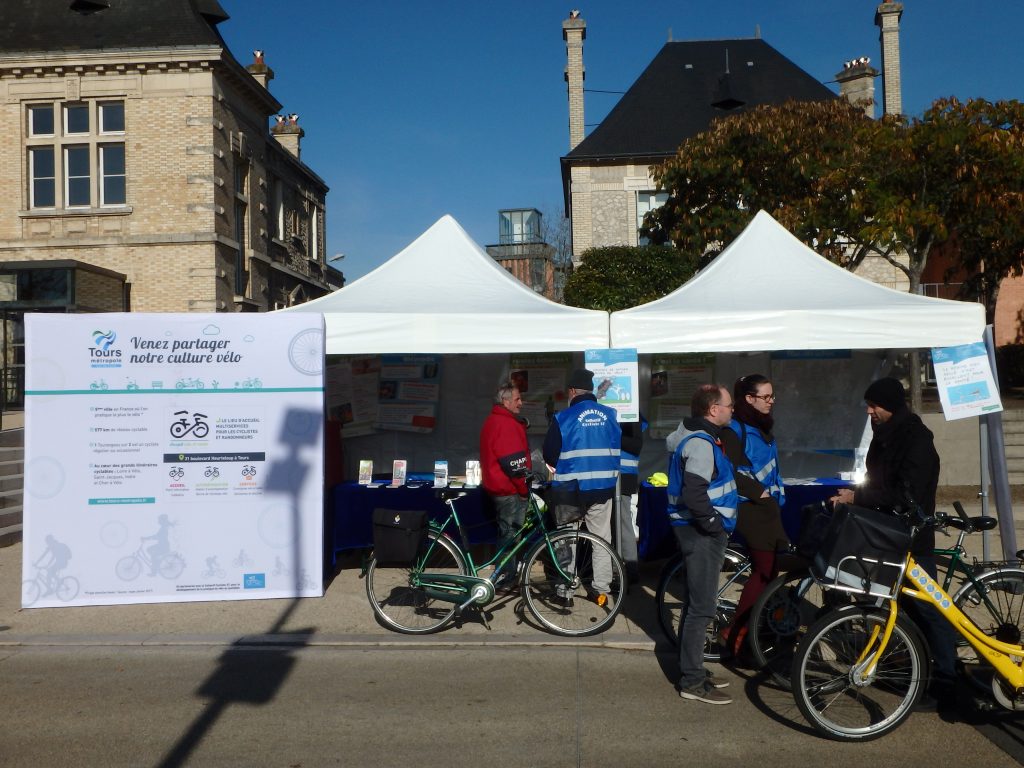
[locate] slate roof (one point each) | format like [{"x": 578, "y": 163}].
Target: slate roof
[
  {"x": 51, "y": 25},
  {"x": 672, "y": 99}
]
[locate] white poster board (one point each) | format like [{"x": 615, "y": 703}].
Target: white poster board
[
  {"x": 964, "y": 380},
  {"x": 172, "y": 458}
]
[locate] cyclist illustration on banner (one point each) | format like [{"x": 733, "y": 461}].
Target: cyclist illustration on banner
[
  {"x": 48, "y": 579},
  {"x": 158, "y": 556}
]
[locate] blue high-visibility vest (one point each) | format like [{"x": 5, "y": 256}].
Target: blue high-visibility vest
[
  {"x": 721, "y": 490},
  {"x": 764, "y": 460},
  {"x": 630, "y": 462},
  {"x": 591, "y": 439}
]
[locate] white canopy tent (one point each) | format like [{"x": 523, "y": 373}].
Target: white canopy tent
[
  {"x": 444, "y": 294},
  {"x": 769, "y": 291}
]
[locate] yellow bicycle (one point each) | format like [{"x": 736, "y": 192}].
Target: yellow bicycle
[{"x": 860, "y": 670}]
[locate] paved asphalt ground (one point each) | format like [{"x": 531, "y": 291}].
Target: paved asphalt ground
[{"x": 316, "y": 682}]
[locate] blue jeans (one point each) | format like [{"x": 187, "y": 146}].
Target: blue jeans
[
  {"x": 511, "y": 516},
  {"x": 703, "y": 555}
]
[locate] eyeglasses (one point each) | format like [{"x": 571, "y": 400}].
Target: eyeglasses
[{"x": 766, "y": 398}]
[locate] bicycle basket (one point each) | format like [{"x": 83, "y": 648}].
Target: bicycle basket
[
  {"x": 863, "y": 550},
  {"x": 397, "y": 535}
]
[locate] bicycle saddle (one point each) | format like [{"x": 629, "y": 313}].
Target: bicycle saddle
[
  {"x": 979, "y": 523},
  {"x": 444, "y": 494}
]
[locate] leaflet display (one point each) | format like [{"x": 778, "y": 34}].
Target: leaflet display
[{"x": 172, "y": 458}]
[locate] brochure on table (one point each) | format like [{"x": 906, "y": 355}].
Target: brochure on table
[
  {"x": 964, "y": 380},
  {"x": 172, "y": 458}
]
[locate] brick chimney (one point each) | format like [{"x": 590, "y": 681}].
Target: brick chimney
[
  {"x": 857, "y": 84},
  {"x": 288, "y": 133},
  {"x": 260, "y": 70},
  {"x": 887, "y": 19},
  {"x": 574, "y": 32}
]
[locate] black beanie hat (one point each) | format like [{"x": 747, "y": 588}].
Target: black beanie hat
[
  {"x": 888, "y": 393},
  {"x": 582, "y": 379}
]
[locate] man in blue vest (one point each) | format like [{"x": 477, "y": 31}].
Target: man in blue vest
[
  {"x": 702, "y": 502},
  {"x": 582, "y": 444}
]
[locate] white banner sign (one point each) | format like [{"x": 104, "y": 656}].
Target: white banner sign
[
  {"x": 172, "y": 458},
  {"x": 964, "y": 379}
]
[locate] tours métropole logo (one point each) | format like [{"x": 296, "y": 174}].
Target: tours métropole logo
[{"x": 102, "y": 353}]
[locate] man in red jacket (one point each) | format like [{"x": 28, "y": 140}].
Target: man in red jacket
[{"x": 505, "y": 459}]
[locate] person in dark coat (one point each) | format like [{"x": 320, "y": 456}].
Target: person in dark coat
[{"x": 902, "y": 470}]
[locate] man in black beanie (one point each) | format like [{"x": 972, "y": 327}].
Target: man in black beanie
[{"x": 903, "y": 468}]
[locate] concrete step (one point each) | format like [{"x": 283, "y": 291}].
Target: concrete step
[
  {"x": 1016, "y": 477},
  {"x": 1013, "y": 414},
  {"x": 11, "y": 498},
  {"x": 12, "y": 453},
  {"x": 10, "y": 534},
  {"x": 10, "y": 437},
  {"x": 13, "y": 467},
  {"x": 1012, "y": 428},
  {"x": 10, "y": 525},
  {"x": 12, "y": 482}
]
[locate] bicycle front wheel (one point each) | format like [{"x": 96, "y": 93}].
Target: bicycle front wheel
[
  {"x": 780, "y": 618},
  {"x": 402, "y": 605},
  {"x": 996, "y": 604},
  {"x": 671, "y": 596},
  {"x": 561, "y": 587},
  {"x": 828, "y": 681}
]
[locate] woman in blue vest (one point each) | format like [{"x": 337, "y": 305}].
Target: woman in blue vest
[{"x": 750, "y": 446}]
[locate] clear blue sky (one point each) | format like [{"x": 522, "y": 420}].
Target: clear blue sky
[{"x": 419, "y": 108}]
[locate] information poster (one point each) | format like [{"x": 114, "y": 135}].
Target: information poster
[
  {"x": 353, "y": 386},
  {"x": 674, "y": 379},
  {"x": 965, "y": 382},
  {"x": 616, "y": 380},
  {"x": 541, "y": 381},
  {"x": 408, "y": 392},
  {"x": 172, "y": 458}
]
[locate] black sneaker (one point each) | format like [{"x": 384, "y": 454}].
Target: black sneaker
[
  {"x": 704, "y": 692},
  {"x": 715, "y": 682}
]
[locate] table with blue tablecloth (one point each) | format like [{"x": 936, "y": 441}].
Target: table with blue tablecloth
[
  {"x": 351, "y": 505},
  {"x": 656, "y": 539}
]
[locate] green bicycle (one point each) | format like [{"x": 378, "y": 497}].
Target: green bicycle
[{"x": 556, "y": 579}]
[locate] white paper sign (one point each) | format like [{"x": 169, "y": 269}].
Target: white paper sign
[
  {"x": 964, "y": 379},
  {"x": 172, "y": 458}
]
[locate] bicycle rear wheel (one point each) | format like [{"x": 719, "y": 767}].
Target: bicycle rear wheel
[
  {"x": 560, "y": 594},
  {"x": 827, "y": 682},
  {"x": 780, "y": 618},
  {"x": 996, "y": 605},
  {"x": 670, "y": 598},
  {"x": 400, "y": 604}
]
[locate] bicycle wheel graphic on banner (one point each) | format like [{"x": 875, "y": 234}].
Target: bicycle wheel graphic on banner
[{"x": 306, "y": 352}]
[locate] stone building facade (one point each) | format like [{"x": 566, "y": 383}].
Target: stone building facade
[{"x": 138, "y": 147}]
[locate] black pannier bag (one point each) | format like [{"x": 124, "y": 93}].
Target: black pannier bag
[
  {"x": 863, "y": 549},
  {"x": 815, "y": 520},
  {"x": 397, "y": 535}
]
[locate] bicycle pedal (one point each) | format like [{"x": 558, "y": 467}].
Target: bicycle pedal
[{"x": 601, "y": 600}]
